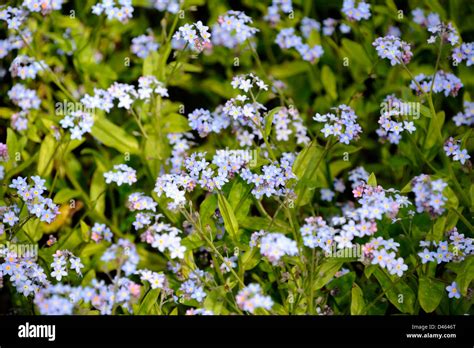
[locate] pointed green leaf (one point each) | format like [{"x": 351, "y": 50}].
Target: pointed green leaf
[
  {"x": 230, "y": 222},
  {"x": 430, "y": 293},
  {"x": 357, "y": 303}
]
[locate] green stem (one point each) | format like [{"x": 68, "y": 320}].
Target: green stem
[{"x": 464, "y": 220}]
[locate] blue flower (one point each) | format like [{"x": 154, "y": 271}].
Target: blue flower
[{"x": 453, "y": 290}]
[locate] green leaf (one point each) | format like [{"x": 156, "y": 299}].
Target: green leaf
[
  {"x": 430, "y": 293},
  {"x": 12, "y": 144},
  {"x": 465, "y": 275},
  {"x": 357, "y": 303},
  {"x": 46, "y": 154},
  {"x": 215, "y": 300},
  {"x": 208, "y": 206},
  {"x": 325, "y": 272},
  {"x": 155, "y": 152},
  {"x": 406, "y": 188},
  {"x": 258, "y": 223},
  {"x": 240, "y": 199},
  {"x": 288, "y": 69},
  {"x": 230, "y": 222},
  {"x": 250, "y": 259},
  {"x": 309, "y": 171},
  {"x": 357, "y": 54},
  {"x": 85, "y": 232},
  {"x": 64, "y": 195},
  {"x": 33, "y": 229},
  {"x": 399, "y": 293},
  {"x": 175, "y": 123},
  {"x": 433, "y": 135},
  {"x": 438, "y": 229},
  {"x": 329, "y": 82},
  {"x": 97, "y": 191},
  {"x": 148, "y": 301},
  {"x": 114, "y": 136},
  {"x": 453, "y": 200},
  {"x": 372, "y": 181},
  {"x": 269, "y": 120}
]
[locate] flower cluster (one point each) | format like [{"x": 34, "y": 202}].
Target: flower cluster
[
  {"x": 143, "y": 45},
  {"x": 42, "y": 6},
  {"x": 383, "y": 253},
  {"x": 156, "y": 280},
  {"x": 329, "y": 26},
  {"x": 171, "y": 6},
  {"x": 78, "y": 122},
  {"x": 14, "y": 16},
  {"x": 174, "y": 186},
  {"x": 180, "y": 143},
  {"x": 358, "y": 176},
  {"x": 232, "y": 29},
  {"x": 160, "y": 235},
  {"x": 464, "y": 52},
  {"x": 429, "y": 194},
  {"x": 394, "y": 49},
  {"x": 247, "y": 111},
  {"x": 59, "y": 265},
  {"x": 62, "y": 299},
  {"x": 466, "y": 117},
  {"x": 26, "y": 67},
  {"x": 124, "y": 253},
  {"x": 122, "y": 174},
  {"x": 124, "y": 93},
  {"x": 274, "y": 178},
  {"x": 121, "y": 10},
  {"x": 287, "y": 39},
  {"x": 14, "y": 42},
  {"x": 391, "y": 129},
  {"x": 252, "y": 298},
  {"x": 25, "y": 275},
  {"x": 356, "y": 13},
  {"x": 457, "y": 248},
  {"x": 445, "y": 32},
  {"x": 308, "y": 25},
  {"x": 343, "y": 124},
  {"x": 274, "y": 245},
  {"x": 205, "y": 122},
  {"x": 195, "y": 40},
  {"x": 101, "y": 232},
  {"x": 25, "y": 98},
  {"x": 431, "y": 20},
  {"x": 356, "y": 222},
  {"x": 138, "y": 201},
  {"x": 452, "y": 148},
  {"x": 193, "y": 289},
  {"x": 446, "y": 83},
  {"x": 285, "y": 117},
  {"x": 225, "y": 164},
  {"x": 42, "y": 207},
  {"x": 273, "y": 14},
  {"x": 317, "y": 233},
  {"x": 19, "y": 121},
  {"x": 199, "y": 311}
]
